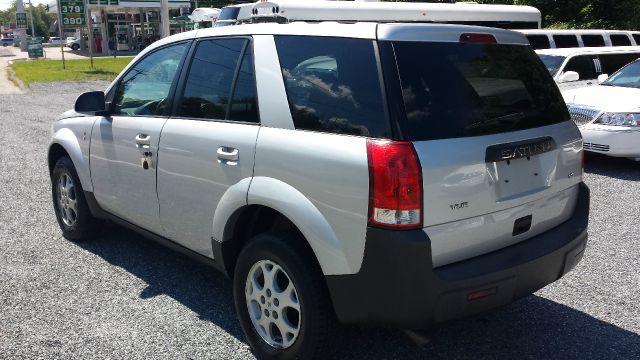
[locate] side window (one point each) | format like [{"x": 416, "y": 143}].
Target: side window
[
  {"x": 244, "y": 103},
  {"x": 207, "y": 88},
  {"x": 144, "y": 89},
  {"x": 614, "y": 62},
  {"x": 565, "y": 41},
  {"x": 539, "y": 41},
  {"x": 583, "y": 65},
  {"x": 333, "y": 85},
  {"x": 593, "y": 40},
  {"x": 636, "y": 37},
  {"x": 620, "y": 40}
]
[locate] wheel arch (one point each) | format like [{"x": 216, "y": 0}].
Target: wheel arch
[
  {"x": 272, "y": 205},
  {"x": 65, "y": 143}
]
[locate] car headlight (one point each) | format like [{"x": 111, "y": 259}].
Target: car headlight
[{"x": 619, "y": 119}]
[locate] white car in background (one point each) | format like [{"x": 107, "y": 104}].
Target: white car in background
[
  {"x": 579, "y": 67},
  {"x": 608, "y": 114}
]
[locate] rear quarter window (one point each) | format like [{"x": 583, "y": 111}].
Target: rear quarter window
[{"x": 333, "y": 85}]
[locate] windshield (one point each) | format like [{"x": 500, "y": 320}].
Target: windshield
[
  {"x": 628, "y": 76},
  {"x": 552, "y": 62},
  {"x": 455, "y": 90}
]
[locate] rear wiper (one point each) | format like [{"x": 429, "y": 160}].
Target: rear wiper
[{"x": 509, "y": 117}]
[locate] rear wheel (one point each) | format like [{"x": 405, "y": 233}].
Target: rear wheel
[
  {"x": 281, "y": 300},
  {"x": 69, "y": 203},
  {"x": 75, "y": 47}
]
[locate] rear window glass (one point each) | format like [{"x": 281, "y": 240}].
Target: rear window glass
[
  {"x": 636, "y": 37},
  {"x": 593, "y": 40},
  {"x": 455, "y": 90},
  {"x": 539, "y": 41},
  {"x": 565, "y": 41},
  {"x": 620, "y": 40},
  {"x": 333, "y": 85}
]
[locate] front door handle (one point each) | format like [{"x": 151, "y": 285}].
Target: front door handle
[
  {"x": 227, "y": 153},
  {"x": 142, "y": 141}
]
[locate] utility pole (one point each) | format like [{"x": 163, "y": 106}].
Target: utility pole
[
  {"x": 33, "y": 29},
  {"x": 64, "y": 66},
  {"x": 164, "y": 18}
]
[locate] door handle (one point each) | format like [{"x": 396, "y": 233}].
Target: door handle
[
  {"x": 142, "y": 141},
  {"x": 227, "y": 153}
]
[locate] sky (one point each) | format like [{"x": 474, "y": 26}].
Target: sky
[{"x": 4, "y": 4}]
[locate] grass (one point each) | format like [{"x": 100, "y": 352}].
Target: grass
[{"x": 43, "y": 70}]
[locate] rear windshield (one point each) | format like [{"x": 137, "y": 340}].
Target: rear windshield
[
  {"x": 453, "y": 90},
  {"x": 552, "y": 62}
]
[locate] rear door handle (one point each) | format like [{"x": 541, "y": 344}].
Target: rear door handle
[
  {"x": 142, "y": 141},
  {"x": 227, "y": 153}
]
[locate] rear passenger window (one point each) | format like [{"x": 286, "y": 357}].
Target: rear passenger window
[
  {"x": 565, "y": 41},
  {"x": 333, "y": 85},
  {"x": 583, "y": 65},
  {"x": 614, "y": 62},
  {"x": 620, "y": 40},
  {"x": 208, "y": 87},
  {"x": 592, "y": 40},
  {"x": 539, "y": 41}
]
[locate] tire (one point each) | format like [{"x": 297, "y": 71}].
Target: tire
[
  {"x": 69, "y": 203},
  {"x": 289, "y": 264},
  {"x": 75, "y": 47}
]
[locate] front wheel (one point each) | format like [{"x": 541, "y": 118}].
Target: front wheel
[
  {"x": 75, "y": 47},
  {"x": 72, "y": 211},
  {"x": 281, "y": 300}
]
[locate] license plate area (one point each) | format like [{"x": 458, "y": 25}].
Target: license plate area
[{"x": 523, "y": 167}]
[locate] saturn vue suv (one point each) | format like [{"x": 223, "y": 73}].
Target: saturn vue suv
[{"x": 390, "y": 174}]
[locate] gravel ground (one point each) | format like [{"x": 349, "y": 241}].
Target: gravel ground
[{"x": 122, "y": 296}]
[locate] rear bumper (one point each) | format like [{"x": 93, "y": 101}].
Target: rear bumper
[{"x": 398, "y": 286}]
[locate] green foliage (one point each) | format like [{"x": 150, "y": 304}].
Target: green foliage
[
  {"x": 42, "y": 20},
  {"x": 580, "y": 14}
]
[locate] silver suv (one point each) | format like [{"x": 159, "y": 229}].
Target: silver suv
[{"x": 391, "y": 174}]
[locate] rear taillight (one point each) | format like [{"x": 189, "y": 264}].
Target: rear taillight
[{"x": 395, "y": 185}]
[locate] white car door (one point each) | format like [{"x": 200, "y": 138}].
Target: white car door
[
  {"x": 123, "y": 154},
  {"x": 209, "y": 145}
]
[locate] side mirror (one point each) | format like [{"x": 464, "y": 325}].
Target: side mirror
[
  {"x": 569, "y": 76},
  {"x": 602, "y": 78},
  {"x": 91, "y": 103}
]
